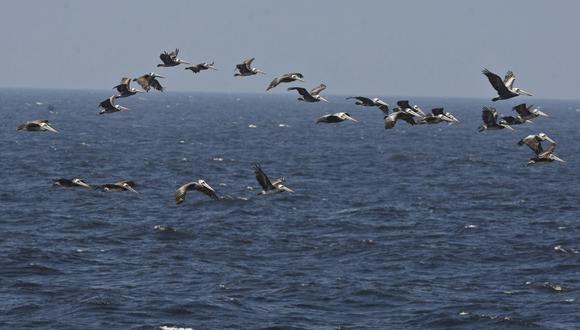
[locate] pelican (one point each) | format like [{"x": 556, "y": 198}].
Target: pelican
[
  {"x": 245, "y": 68},
  {"x": 76, "y": 182},
  {"x": 285, "y": 78},
  {"x": 504, "y": 88},
  {"x": 491, "y": 121},
  {"x": 528, "y": 113},
  {"x": 124, "y": 185},
  {"x": 40, "y": 125},
  {"x": 335, "y": 118},
  {"x": 403, "y": 105},
  {"x": 198, "y": 185},
  {"x": 109, "y": 106},
  {"x": 170, "y": 59},
  {"x": 149, "y": 80},
  {"x": 196, "y": 68},
  {"x": 312, "y": 95},
  {"x": 534, "y": 142},
  {"x": 438, "y": 115},
  {"x": 124, "y": 89},
  {"x": 374, "y": 102},
  {"x": 515, "y": 120},
  {"x": 392, "y": 119},
  {"x": 267, "y": 185}
]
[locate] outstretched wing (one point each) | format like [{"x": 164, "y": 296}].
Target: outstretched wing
[
  {"x": 496, "y": 82},
  {"x": 248, "y": 63},
  {"x": 143, "y": 81},
  {"x": 489, "y": 116},
  {"x": 273, "y": 83},
  {"x": 155, "y": 84},
  {"x": 364, "y": 100},
  {"x": 316, "y": 90},
  {"x": 300, "y": 90},
  {"x": 262, "y": 178},
  {"x": 533, "y": 143}
]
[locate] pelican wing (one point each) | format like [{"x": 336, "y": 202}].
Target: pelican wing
[
  {"x": 403, "y": 104},
  {"x": 496, "y": 82},
  {"x": 522, "y": 110},
  {"x": 248, "y": 63},
  {"x": 155, "y": 84},
  {"x": 364, "y": 100},
  {"x": 262, "y": 178},
  {"x": 533, "y": 143},
  {"x": 195, "y": 68},
  {"x": 143, "y": 81},
  {"x": 301, "y": 91},
  {"x": 107, "y": 104},
  {"x": 316, "y": 90},
  {"x": 489, "y": 116},
  {"x": 166, "y": 58},
  {"x": 437, "y": 111},
  {"x": 128, "y": 182},
  {"x": 273, "y": 83},
  {"x": 181, "y": 192}
]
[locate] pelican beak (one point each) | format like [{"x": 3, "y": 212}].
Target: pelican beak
[
  {"x": 157, "y": 76},
  {"x": 549, "y": 139},
  {"x": 521, "y": 91},
  {"x": 323, "y": 99},
  {"x": 300, "y": 79},
  {"x": 128, "y": 187},
  {"x": 211, "y": 67},
  {"x": 260, "y": 71},
  {"x": 82, "y": 184},
  {"x": 287, "y": 189},
  {"x": 540, "y": 113},
  {"x": 508, "y": 127},
  {"x": 558, "y": 158},
  {"x": 528, "y": 121},
  {"x": 350, "y": 118},
  {"x": 48, "y": 128},
  {"x": 183, "y": 62}
]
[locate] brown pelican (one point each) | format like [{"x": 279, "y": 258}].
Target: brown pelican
[
  {"x": 534, "y": 142},
  {"x": 491, "y": 121},
  {"x": 267, "y": 185},
  {"x": 285, "y": 78},
  {"x": 438, "y": 115},
  {"x": 391, "y": 119},
  {"x": 149, "y": 80},
  {"x": 196, "y": 68},
  {"x": 124, "y": 185},
  {"x": 245, "y": 68},
  {"x": 124, "y": 89},
  {"x": 528, "y": 113},
  {"x": 312, "y": 95},
  {"x": 109, "y": 106},
  {"x": 170, "y": 59},
  {"x": 403, "y": 105},
  {"x": 76, "y": 182},
  {"x": 198, "y": 185},
  {"x": 374, "y": 102},
  {"x": 514, "y": 120},
  {"x": 335, "y": 118},
  {"x": 40, "y": 125},
  {"x": 504, "y": 88}
]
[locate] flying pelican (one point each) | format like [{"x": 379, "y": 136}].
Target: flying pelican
[
  {"x": 528, "y": 113},
  {"x": 312, "y": 95},
  {"x": 196, "y": 68},
  {"x": 335, "y": 118},
  {"x": 267, "y": 185},
  {"x": 504, "y": 88},
  {"x": 245, "y": 68},
  {"x": 76, "y": 182},
  {"x": 391, "y": 119},
  {"x": 285, "y": 78},
  {"x": 438, "y": 115},
  {"x": 491, "y": 121},
  {"x": 124, "y": 89},
  {"x": 124, "y": 185},
  {"x": 198, "y": 185},
  {"x": 374, "y": 102},
  {"x": 403, "y": 105},
  {"x": 515, "y": 120},
  {"x": 170, "y": 59},
  {"x": 40, "y": 125},
  {"x": 149, "y": 80},
  {"x": 534, "y": 142},
  {"x": 109, "y": 106}
]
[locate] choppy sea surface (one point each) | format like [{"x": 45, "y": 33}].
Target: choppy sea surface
[{"x": 433, "y": 226}]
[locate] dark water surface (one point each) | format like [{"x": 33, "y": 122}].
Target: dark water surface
[{"x": 416, "y": 227}]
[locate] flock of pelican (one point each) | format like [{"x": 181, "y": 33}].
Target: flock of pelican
[{"x": 411, "y": 114}]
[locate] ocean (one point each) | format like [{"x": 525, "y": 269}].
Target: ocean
[{"x": 431, "y": 226}]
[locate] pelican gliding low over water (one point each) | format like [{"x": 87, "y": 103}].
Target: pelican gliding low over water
[
  {"x": 368, "y": 102},
  {"x": 491, "y": 120},
  {"x": 528, "y": 112},
  {"x": 542, "y": 155},
  {"x": 109, "y": 106},
  {"x": 76, "y": 182},
  {"x": 125, "y": 89},
  {"x": 124, "y": 185},
  {"x": 267, "y": 185},
  {"x": 335, "y": 118},
  {"x": 198, "y": 185},
  {"x": 310, "y": 96},
  {"x": 504, "y": 88},
  {"x": 39, "y": 125},
  {"x": 285, "y": 78}
]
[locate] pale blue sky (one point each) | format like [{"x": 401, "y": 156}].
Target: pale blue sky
[{"x": 415, "y": 48}]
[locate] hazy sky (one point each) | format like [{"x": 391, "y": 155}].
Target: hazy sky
[{"x": 414, "y": 48}]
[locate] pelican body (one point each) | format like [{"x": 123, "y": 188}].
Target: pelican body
[
  {"x": 198, "y": 185},
  {"x": 109, "y": 106},
  {"x": 368, "y": 102},
  {"x": 124, "y": 185},
  {"x": 125, "y": 89},
  {"x": 285, "y": 78},
  {"x": 267, "y": 185},
  {"x": 149, "y": 80},
  {"x": 528, "y": 112},
  {"x": 335, "y": 118},
  {"x": 76, "y": 182},
  {"x": 491, "y": 120},
  {"x": 542, "y": 155},
  {"x": 245, "y": 69},
  {"x": 310, "y": 96},
  {"x": 505, "y": 88},
  {"x": 40, "y": 125},
  {"x": 196, "y": 68},
  {"x": 438, "y": 115},
  {"x": 170, "y": 59}
]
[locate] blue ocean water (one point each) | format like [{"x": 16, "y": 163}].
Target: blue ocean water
[{"x": 434, "y": 226}]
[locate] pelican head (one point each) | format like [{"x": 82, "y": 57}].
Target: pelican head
[
  {"x": 80, "y": 182},
  {"x": 295, "y": 77},
  {"x": 48, "y": 128},
  {"x": 258, "y": 71},
  {"x": 128, "y": 187}
]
